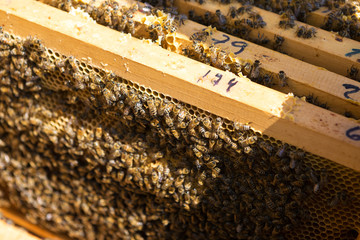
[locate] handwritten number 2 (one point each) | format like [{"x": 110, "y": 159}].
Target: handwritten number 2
[
  {"x": 354, "y": 136},
  {"x": 217, "y": 41},
  {"x": 231, "y": 83},
  {"x": 354, "y": 88},
  {"x": 240, "y": 44}
]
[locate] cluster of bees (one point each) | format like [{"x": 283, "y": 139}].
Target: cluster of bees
[
  {"x": 96, "y": 157},
  {"x": 219, "y": 58},
  {"x": 343, "y": 18},
  {"x": 238, "y": 22},
  {"x": 160, "y": 25},
  {"x": 300, "y": 9},
  {"x": 345, "y": 21},
  {"x": 109, "y": 13}
]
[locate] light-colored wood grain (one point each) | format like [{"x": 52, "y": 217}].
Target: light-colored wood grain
[
  {"x": 20, "y": 220},
  {"x": 11, "y": 232},
  {"x": 285, "y": 118},
  {"x": 322, "y": 50}
]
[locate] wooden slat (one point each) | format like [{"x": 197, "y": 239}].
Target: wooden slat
[
  {"x": 318, "y": 18},
  {"x": 323, "y": 50},
  {"x": 275, "y": 114},
  {"x": 11, "y": 232},
  {"x": 20, "y": 220}
]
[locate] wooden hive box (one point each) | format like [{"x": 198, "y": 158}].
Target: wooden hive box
[{"x": 214, "y": 131}]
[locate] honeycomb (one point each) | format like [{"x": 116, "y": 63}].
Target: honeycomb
[{"x": 88, "y": 154}]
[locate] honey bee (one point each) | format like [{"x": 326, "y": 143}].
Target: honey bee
[
  {"x": 278, "y": 42},
  {"x": 175, "y": 133},
  {"x": 98, "y": 132},
  {"x": 157, "y": 155},
  {"x": 179, "y": 181},
  {"x": 340, "y": 198},
  {"x": 109, "y": 96},
  {"x": 221, "y": 18},
  {"x": 165, "y": 107},
  {"x": 311, "y": 32},
  {"x": 127, "y": 148},
  {"x": 152, "y": 107},
  {"x": 154, "y": 177},
  {"x": 201, "y": 148},
  {"x": 255, "y": 70},
  {"x": 282, "y": 78},
  {"x": 114, "y": 153},
  {"x": 207, "y": 123},
  {"x": 237, "y": 67},
  {"x": 171, "y": 190},
  {"x": 246, "y": 68},
  {"x": 247, "y": 150},
  {"x": 225, "y": 137},
  {"x": 241, "y": 127},
  {"x": 215, "y": 172},
  {"x": 300, "y": 32},
  {"x": 122, "y": 23},
  {"x": 193, "y": 123},
  {"x": 352, "y": 72},
  {"x": 138, "y": 110},
  {"x": 201, "y": 36},
  {"x": 211, "y": 164},
  {"x": 248, "y": 141},
  {"x": 220, "y": 59},
  {"x": 168, "y": 120},
  {"x": 317, "y": 187},
  {"x": 99, "y": 151},
  {"x": 197, "y": 153},
  {"x": 217, "y": 124},
  {"x": 155, "y": 123},
  {"x": 72, "y": 63},
  {"x": 131, "y": 26},
  {"x": 147, "y": 183},
  {"x": 323, "y": 177},
  {"x": 204, "y": 133}
]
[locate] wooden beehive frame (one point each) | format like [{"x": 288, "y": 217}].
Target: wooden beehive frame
[
  {"x": 302, "y": 78},
  {"x": 323, "y": 51},
  {"x": 281, "y": 116}
]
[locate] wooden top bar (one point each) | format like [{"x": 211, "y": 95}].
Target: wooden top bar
[{"x": 12, "y": 232}]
